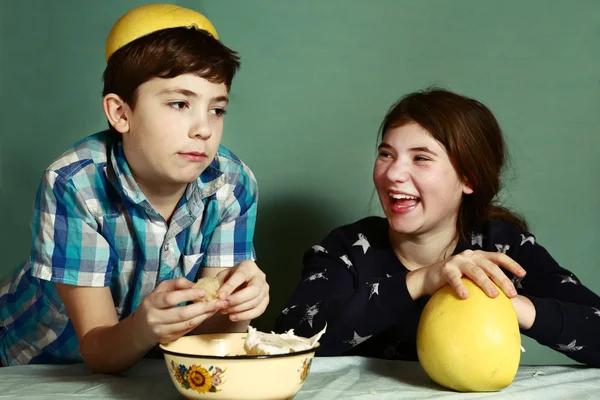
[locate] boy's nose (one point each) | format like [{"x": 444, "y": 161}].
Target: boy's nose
[{"x": 202, "y": 130}]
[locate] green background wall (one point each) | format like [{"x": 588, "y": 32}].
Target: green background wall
[{"x": 316, "y": 80}]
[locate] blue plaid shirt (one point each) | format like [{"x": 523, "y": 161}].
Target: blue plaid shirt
[{"x": 93, "y": 226}]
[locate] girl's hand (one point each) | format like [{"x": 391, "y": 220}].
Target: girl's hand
[{"x": 482, "y": 267}]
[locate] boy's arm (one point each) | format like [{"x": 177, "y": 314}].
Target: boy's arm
[
  {"x": 105, "y": 344},
  {"x": 110, "y": 346},
  {"x": 69, "y": 250}
]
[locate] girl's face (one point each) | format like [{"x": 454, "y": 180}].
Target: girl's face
[{"x": 419, "y": 189}]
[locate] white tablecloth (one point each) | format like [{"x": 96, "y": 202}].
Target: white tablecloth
[{"x": 330, "y": 378}]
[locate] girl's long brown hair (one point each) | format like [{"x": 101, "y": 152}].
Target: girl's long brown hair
[{"x": 475, "y": 145}]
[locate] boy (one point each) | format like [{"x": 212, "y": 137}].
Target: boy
[{"x": 127, "y": 219}]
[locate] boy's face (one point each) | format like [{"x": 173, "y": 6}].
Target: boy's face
[{"x": 174, "y": 130}]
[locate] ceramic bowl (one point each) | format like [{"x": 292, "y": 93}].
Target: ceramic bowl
[{"x": 215, "y": 366}]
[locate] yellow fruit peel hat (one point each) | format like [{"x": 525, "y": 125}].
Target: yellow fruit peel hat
[{"x": 150, "y": 18}]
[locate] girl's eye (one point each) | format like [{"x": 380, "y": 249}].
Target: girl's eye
[
  {"x": 384, "y": 154},
  {"x": 421, "y": 158},
  {"x": 178, "y": 105},
  {"x": 219, "y": 112}
]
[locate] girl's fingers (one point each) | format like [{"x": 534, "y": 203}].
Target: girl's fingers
[
  {"x": 480, "y": 278},
  {"x": 505, "y": 262},
  {"x": 498, "y": 276},
  {"x": 455, "y": 281}
]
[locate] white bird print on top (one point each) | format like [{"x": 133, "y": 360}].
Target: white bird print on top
[
  {"x": 318, "y": 248},
  {"x": 286, "y": 310},
  {"x": 346, "y": 260},
  {"x": 516, "y": 280},
  {"x": 596, "y": 311},
  {"x": 315, "y": 276},
  {"x": 477, "y": 239},
  {"x": 570, "y": 347},
  {"x": 374, "y": 289},
  {"x": 525, "y": 239},
  {"x": 502, "y": 248},
  {"x": 363, "y": 242},
  {"x": 356, "y": 340},
  {"x": 388, "y": 276},
  {"x": 568, "y": 279},
  {"x": 311, "y": 311}
]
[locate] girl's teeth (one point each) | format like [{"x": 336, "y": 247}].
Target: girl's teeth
[{"x": 402, "y": 197}]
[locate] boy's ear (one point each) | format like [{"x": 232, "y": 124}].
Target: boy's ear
[{"x": 115, "y": 110}]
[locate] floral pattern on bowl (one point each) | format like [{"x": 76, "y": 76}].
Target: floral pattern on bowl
[
  {"x": 305, "y": 369},
  {"x": 198, "y": 378}
]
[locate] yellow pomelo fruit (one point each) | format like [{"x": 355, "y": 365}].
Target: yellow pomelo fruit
[
  {"x": 150, "y": 18},
  {"x": 472, "y": 344}
]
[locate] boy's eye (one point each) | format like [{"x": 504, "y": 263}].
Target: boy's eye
[
  {"x": 384, "y": 154},
  {"x": 218, "y": 111},
  {"x": 421, "y": 158},
  {"x": 178, "y": 105}
]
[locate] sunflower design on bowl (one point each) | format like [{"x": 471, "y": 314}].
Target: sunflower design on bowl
[
  {"x": 305, "y": 369},
  {"x": 198, "y": 378}
]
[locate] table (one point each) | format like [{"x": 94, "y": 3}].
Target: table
[{"x": 330, "y": 378}]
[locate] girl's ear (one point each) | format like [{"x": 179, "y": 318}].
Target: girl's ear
[{"x": 467, "y": 187}]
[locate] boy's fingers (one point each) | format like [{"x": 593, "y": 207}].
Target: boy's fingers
[
  {"x": 237, "y": 279},
  {"x": 174, "y": 331},
  {"x": 173, "y": 284},
  {"x": 171, "y": 299},
  {"x": 180, "y": 314},
  {"x": 251, "y": 301},
  {"x": 252, "y": 313},
  {"x": 244, "y": 295}
]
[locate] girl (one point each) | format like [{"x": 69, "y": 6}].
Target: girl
[{"x": 437, "y": 173}]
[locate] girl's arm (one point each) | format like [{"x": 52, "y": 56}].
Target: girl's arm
[
  {"x": 566, "y": 314},
  {"x": 336, "y": 290}
]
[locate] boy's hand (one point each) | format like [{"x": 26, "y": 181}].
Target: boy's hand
[
  {"x": 158, "y": 319},
  {"x": 245, "y": 290}
]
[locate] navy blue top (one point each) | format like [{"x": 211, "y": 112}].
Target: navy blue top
[{"x": 354, "y": 282}]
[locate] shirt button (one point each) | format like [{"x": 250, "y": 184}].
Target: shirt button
[{"x": 167, "y": 247}]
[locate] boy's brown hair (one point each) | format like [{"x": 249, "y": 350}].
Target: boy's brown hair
[{"x": 168, "y": 53}]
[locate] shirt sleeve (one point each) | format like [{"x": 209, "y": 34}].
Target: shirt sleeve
[
  {"x": 336, "y": 291},
  {"x": 232, "y": 239},
  {"x": 67, "y": 246},
  {"x": 567, "y": 312}
]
